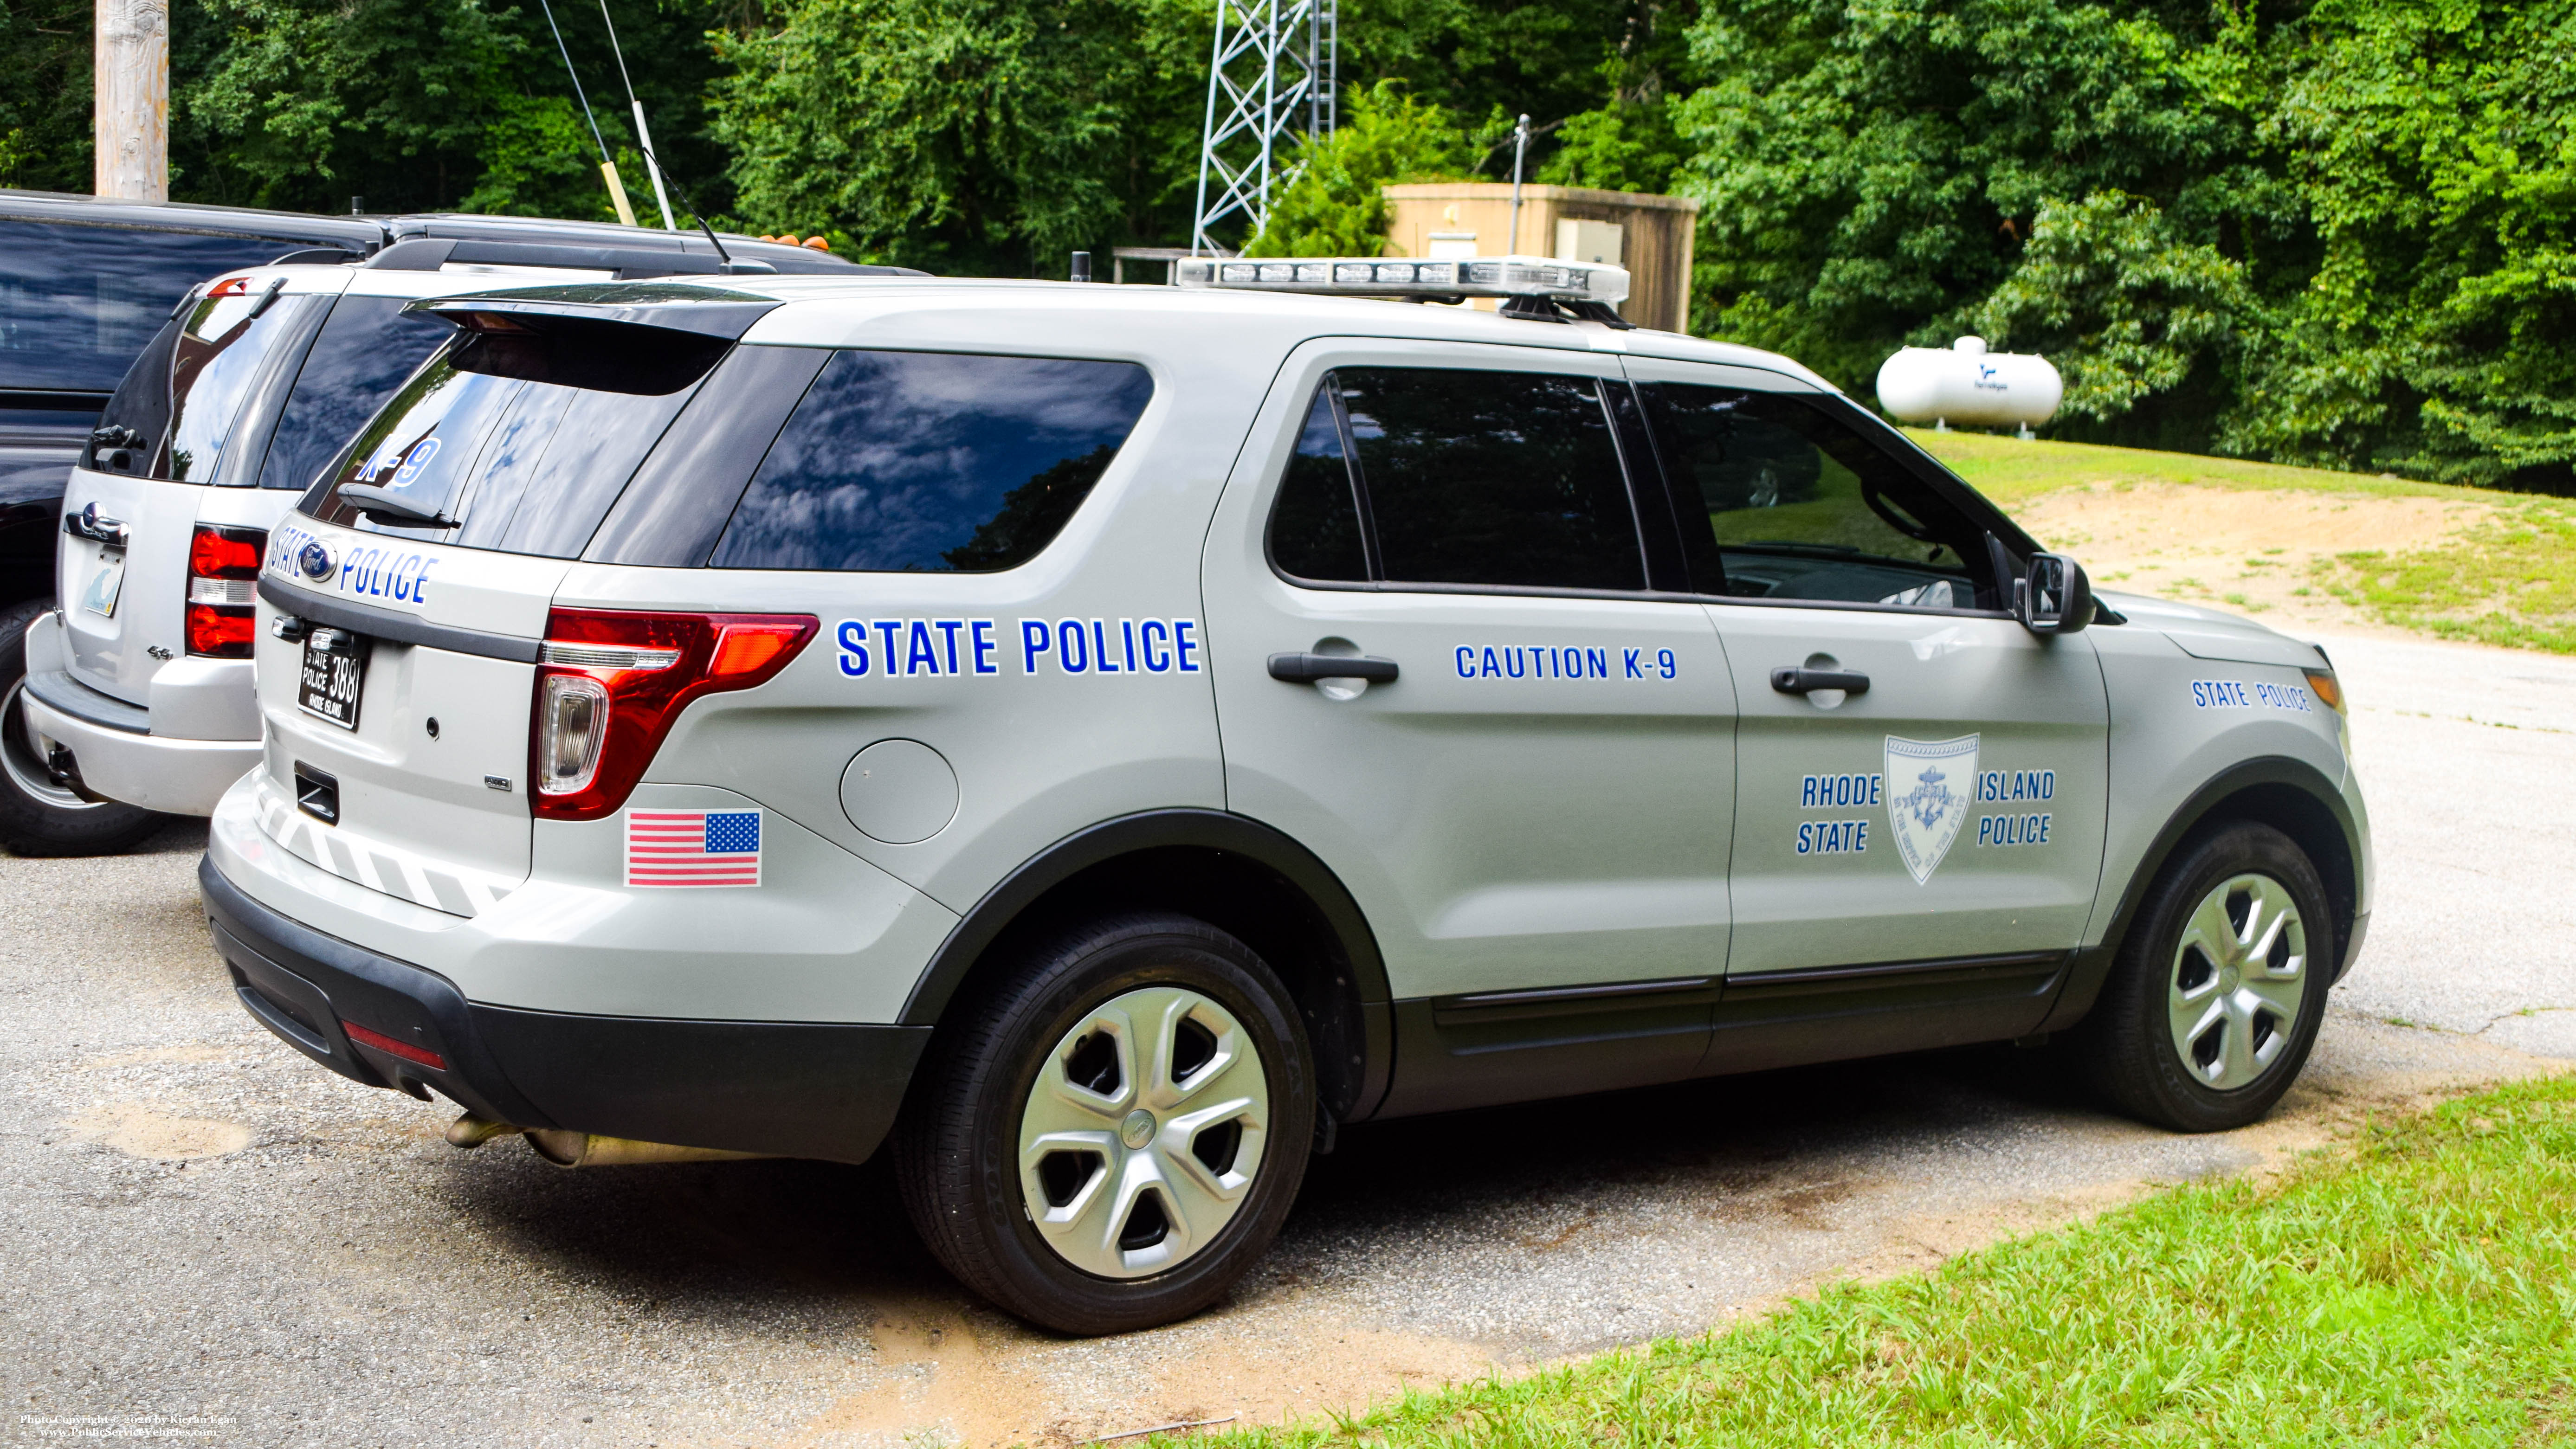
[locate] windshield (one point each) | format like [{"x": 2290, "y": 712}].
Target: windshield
[{"x": 79, "y": 301}]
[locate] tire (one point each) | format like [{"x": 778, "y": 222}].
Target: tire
[
  {"x": 38, "y": 816},
  {"x": 2219, "y": 988},
  {"x": 1135, "y": 1202}
]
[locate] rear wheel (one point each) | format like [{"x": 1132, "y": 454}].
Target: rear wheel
[
  {"x": 1110, "y": 1139},
  {"x": 39, "y": 815},
  {"x": 2219, "y": 990}
]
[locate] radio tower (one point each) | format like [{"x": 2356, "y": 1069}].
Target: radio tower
[{"x": 1272, "y": 78}]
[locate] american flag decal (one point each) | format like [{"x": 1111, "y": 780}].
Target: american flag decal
[{"x": 693, "y": 847}]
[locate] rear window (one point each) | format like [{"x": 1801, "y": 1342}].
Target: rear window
[
  {"x": 78, "y": 302},
  {"x": 933, "y": 462},
  {"x": 518, "y": 441},
  {"x": 366, "y": 349},
  {"x": 187, "y": 389}
]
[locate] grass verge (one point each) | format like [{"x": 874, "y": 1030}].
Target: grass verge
[
  {"x": 2012, "y": 472},
  {"x": 2418, "y": 1286},
  {"x": 2507, "y": 579}
]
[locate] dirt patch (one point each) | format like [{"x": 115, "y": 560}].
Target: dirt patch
[
  {"x": 2202, "y": 545},
  {"x": 951, "y": 1380},
  {"x": 157, "y": 1136}
]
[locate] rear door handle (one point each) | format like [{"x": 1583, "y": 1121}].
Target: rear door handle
[
  {"x": 1307, "y": 668},
  {"x": 1789, "y": 680}
]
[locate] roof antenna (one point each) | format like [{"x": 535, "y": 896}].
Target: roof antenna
[
  {"x": 730, "y": 265},
  {"x": 642, "y": 133},
  {"x": 607, "y": 163}
]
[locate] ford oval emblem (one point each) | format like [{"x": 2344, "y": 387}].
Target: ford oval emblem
[{"x": 315, "y": 560}]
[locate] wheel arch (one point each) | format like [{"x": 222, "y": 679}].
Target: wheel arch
[
  {"x": 2290, "y": 795},
  {"x": 1238, "y": 874}
]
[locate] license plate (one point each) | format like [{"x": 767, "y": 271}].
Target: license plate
[
  {"x": 335, "y": 672},
  {"x": 105, "y": 584}
]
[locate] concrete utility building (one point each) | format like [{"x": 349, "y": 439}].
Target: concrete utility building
[{"x": 1649, "y": 235}]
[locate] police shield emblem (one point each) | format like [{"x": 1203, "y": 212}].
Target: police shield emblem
[{"x": 1928, "y": 790}]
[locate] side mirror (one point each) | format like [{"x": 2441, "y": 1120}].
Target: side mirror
[{"x": 2056, "y": 598}]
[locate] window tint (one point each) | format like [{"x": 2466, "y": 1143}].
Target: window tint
[
  {"x": 1506, "y": 478},
  {"x": 213, "y": 360},
  {"x": 514, "y": 465},
  {"x": 933, "y": 462},
  {"x": 78, "y": 302},
  {"x": 1798, "y": 505},
  {"x": 366, "y": 349},
  {"x": 1315, "y": 528}
]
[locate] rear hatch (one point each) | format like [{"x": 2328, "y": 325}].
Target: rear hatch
[
  {"x": 123, "y": 568},
  {"x": 403, "y": 603}
]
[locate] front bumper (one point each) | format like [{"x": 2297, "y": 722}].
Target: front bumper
[
  {"x": 792, "y": 1089},
  {"x": 121, "y": 759}
]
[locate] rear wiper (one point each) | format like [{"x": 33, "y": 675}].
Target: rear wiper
[{"x": 386, "y": 506}]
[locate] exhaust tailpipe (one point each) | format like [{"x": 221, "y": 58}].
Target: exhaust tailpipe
[{"x": 587, "y": 1149}]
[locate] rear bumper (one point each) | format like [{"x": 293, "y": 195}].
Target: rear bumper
[
  {"x": 796, "y": 1089},
  {"x": 120, "y": 759}
]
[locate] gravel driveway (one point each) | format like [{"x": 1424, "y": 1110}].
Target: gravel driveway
[{"x": 204, "y": 1235}]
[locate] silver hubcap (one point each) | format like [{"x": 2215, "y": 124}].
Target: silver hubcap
[
  {"x": 27, "y": 773},
  {"x": 2239, "y": 976},
  {"x": 1143, "y": 1132}
]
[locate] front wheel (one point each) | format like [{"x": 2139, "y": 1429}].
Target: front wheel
[
  {"x": 2220, "y": 987},
  {"x": 38, "y": 814},
  {"x": 1109, "y": 1140}
]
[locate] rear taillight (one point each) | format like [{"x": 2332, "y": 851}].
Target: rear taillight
[
  {"x": 223, "y": 587},
  {"x": 610, "y": 682}
]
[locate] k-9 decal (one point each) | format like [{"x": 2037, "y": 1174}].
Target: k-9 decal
[{"x": 1564, "y": 661}]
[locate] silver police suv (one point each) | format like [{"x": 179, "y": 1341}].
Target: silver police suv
[{"x": 1100, "y": 741}]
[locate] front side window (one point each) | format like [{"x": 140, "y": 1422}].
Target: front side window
[
  {"x": 933, "y": 462},
  {"x": 1498, "y": 479},
  {"x": 1780, "y": 500}
]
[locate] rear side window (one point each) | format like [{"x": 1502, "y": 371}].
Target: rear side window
[
  {"x": 366, "y": 349},
  {"x": 933, "y": 462},
  {"x": 1501, "y": 479},
  {"x": 1798, "y": 505},
  {"x": 519, "y": 441},
  {"x": 78, "y": 302}
]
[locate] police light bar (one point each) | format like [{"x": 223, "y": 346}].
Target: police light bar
[{"x": 1386, "y": 277}]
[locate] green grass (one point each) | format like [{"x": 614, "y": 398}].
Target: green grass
[
  {"x": 2415, "y": 1287},
  {"x": 2012, "y": 472},
  {"x": 2507, "y": 578}
]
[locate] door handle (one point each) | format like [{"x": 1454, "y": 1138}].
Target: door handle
[
  {"x": 1789, "y": 680},
  {"x": 1307, "y": 668}
]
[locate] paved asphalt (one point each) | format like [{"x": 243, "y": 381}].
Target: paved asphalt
[{"x": 201, "y": 1233}]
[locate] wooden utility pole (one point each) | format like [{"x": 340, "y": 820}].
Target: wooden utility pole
[{"x": 132, "y": 127}]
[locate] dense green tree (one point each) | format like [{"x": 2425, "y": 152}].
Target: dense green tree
[
  {"x": 45, "y": 94},
  {"x": 1336, "y": 208},
  {"x": 2333, "y": 233}
]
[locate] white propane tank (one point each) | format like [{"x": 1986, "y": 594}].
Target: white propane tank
[{"x": 1964, "y": 383}]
